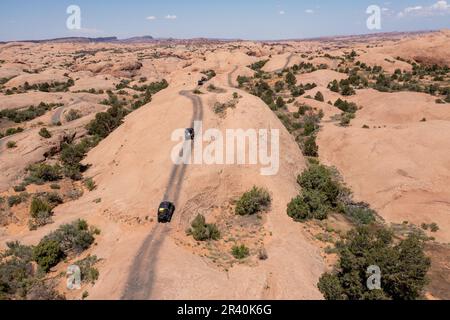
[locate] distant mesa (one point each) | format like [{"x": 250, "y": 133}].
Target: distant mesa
[
  {"x": 138, "y": 39},
  {"x": 89, "y": 40}
]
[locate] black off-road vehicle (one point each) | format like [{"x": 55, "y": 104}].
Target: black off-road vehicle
[
  {"x": 165, "y": 212},
  {"x": 189, "y": 134},
  {"x": 202, "y": 81}
]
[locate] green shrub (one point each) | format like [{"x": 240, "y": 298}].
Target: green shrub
[
  {"x": 360, "y": 213},
  {"x": 258, "y": 65},
  {"x": 152, "y": 88},
  {"x": 209, "y": 74},
  {"x": 434, "y": 227},
  {"x": 347, "y": 90},
  {"x": 41, "y": 173},
  {"x": 319, "y": 96},
  {"x": 89, "y": 273},
  {"x": 73, "y": 115},
  {"x": 15, "y": 271},
  {"x": 310, "y": 147},
  {"x": 323, "y": 179},
  {"x": 201, "y": 231},
  {"x": 280, "y": 103},
  {"x": 28, "y": 114},
  {"x": 44, "y": 133},
  {"x": 47, "y": 254},
  {"x": 279, "y": 86},
  {"x": 346, "y": 118},
  {"x": 240, "y": 252},
  {"x": 242, "y": 80},
  {"x": 11, "y": 144},
  {"x": 106, "y": 122},
  {"x": 18, "y": 280},
  {"x": 41, "y": 211},
  {"x": 303, "y": 109},
  {"x": 297, "y": 91},
  {"x": 72, "y": 155},
  {"x": 334, "y": 86},
  {"x": 20, "y": 188},
  {"x": 253, "y": 201},
  {"x": 39, "y": 206},
  {"x": 404, "y": 267},
  {"x": 291, "y": 80},
  {"x": 15, "y": 200},
  {"x": 310, "y": 124},
  {"x": 10, "y": 132},
  {"x": 89, "y": 183},
  {"x": 345, "y": 106},
  {"x": 311, "y": 204},
  {"x": 298, "y": 209},
  {"x": 221, "y": 108},
  {"x": 320, "y": 193},
  {"x": 74, "y": 237}
]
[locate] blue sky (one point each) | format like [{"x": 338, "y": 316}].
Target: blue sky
[{"x": 245, "y": 19}]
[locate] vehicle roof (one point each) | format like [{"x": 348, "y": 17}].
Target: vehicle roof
[{"x": 165, "y": 204}]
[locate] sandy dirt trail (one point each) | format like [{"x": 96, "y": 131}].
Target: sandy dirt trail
[
  {"x": 161, "y": 269},
  {"x": 132, "y": 169},
  {"x": 141, "y": 276},
  {"x": 230, "y": 77},
  {"x": 288, "y": 61}
]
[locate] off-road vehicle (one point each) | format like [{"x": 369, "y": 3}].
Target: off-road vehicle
[
  {"x": 202, "y": 81},
  {"x": 189, "y": 134},
  {"x": 165, "y": 212}
]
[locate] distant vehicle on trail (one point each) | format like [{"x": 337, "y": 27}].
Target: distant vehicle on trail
[
  {"x": 202, "y": 81},
  {"x": 165, "y": 212},
  {"x": 189, "y": 134}
]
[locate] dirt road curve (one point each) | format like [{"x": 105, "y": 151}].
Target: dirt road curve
[
  {"x": 230, "y": 77},
  {"x": 142, "y": 273},
  {"x": 56, "y": 117},
  {"x": 288, "y": 61}
]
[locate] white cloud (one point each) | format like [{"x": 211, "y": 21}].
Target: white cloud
[
  {"x": 170, "y": 17},
  {"x": 151, "y": 18},
  {"x": 441, "y": 7},
  {"x": 282, "y": 12},
  {"x": 309, "y": 11},
  {"x": 387, "y": 11}
]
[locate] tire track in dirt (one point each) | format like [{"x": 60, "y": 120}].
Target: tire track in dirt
[
  {"x": 56, "y": 117},
  {"x": 141, "y": 276},
  {"x": 2, "y": 141},
  {"x": 288, "y": 61},
  {"x": 142, "y": 272},
  {"x": 230, "y": 75},
  {"x": 178, "y": 171}
]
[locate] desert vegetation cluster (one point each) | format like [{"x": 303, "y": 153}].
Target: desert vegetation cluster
[{"x": 85, "y": 146}]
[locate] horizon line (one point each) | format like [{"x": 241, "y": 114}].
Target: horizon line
[{"x": 117, "y": 39}]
